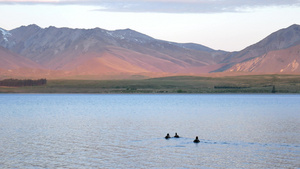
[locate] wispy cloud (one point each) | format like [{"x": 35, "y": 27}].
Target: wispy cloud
[{"x": 165, "y": 6}]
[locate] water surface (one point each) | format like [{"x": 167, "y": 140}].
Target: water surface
[{"x": 127, "y": 131}]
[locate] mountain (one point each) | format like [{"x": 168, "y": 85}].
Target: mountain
[
  {"x": 61, "y": 52},
  {"x": 81, "y": 49},
  {"x": 278, "y": 61},
  {"x": 282, "y": 39}
]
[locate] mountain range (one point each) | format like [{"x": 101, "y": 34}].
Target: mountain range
[{"x": 32, "y": 51}]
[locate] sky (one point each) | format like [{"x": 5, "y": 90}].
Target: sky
[{"x": 229, "y": 25}]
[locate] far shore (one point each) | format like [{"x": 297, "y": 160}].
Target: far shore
[{"x": 173, "y": 84}]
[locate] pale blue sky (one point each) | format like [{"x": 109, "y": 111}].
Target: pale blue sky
[{"x": 220, "y": 24}]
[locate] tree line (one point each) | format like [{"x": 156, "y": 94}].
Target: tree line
[{"x": 21, "y": 83}]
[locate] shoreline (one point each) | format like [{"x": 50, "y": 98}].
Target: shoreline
[{"x": 250, "y": 84}]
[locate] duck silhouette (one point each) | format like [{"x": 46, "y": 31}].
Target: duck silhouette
[
  {"x": 176, "y": 135},
  {"x": 196, "y": 140},
  {"x": 167, "y": 136}
]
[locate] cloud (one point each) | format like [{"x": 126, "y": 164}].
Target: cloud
[{"x": 165, "y": 6}]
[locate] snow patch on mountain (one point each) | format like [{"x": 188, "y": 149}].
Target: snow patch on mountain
[{"x": 5, "y": 34}]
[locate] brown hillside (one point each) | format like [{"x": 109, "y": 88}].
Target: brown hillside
[
  {"x": 279, "y": 61},
  {"x": 31, "y": 51},
  {"x": 10, "y": 60}
]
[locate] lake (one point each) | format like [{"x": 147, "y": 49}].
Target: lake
[{"x": 127, "y": 131}]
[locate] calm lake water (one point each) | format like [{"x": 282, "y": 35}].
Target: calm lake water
[{"x": 127, "y": 131}]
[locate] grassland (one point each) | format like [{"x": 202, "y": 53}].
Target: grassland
[{"x": 175, "y": 84}]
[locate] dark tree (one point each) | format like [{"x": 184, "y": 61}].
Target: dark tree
[
  {"x": 20, "y": 83},
  {"x": 273, "y": 89}
]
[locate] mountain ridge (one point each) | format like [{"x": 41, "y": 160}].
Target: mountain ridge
[
  {"x": 98, "y": 51},
  {"x": 281, "y": 39}
]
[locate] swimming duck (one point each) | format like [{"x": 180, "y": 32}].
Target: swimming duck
[
  {"x": 196, "y": 140},
  {"x": 176, "y": 135},
  {"x": 167, "y": 136}
]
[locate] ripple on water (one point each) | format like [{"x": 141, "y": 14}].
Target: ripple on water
[{"x": 127, "y": 131}]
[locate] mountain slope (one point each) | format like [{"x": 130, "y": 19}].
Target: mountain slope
[
  {"x": 60, "y": 52},
  {"x": 279, "y": 61},
  {"x": 66, "y": 49},
  {"x": 4, "y": 35},
  {"x": 278, "y": 40},
  {"x": 10, "y": 60}
]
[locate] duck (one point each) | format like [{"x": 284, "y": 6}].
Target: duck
[
  {"x": 167, "y": 136},
  {"x": 196, "y": 140},
  {"x": 176, "y": 135}
]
